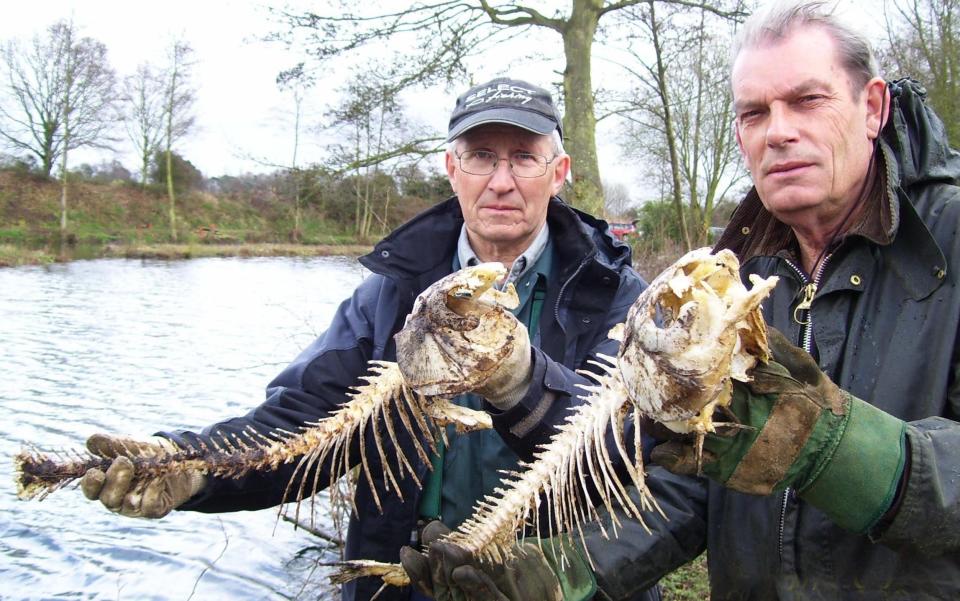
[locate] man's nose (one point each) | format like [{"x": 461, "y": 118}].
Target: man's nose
[
  {"x": 781, "y": 126},
  {"x": 502, "y": 178}
]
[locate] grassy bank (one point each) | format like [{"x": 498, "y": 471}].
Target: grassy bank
[
  {"x": 125, "y": 220},
  {"x": 195, "y": 251},
  {"x": 14, "y": 256}
]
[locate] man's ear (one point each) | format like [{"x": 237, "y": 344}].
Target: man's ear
[
  {"x": 560, "y": 173},
  {"x": 877, "y": 99},
  {"x": 736, "y": 134},
  {"x": 450, "y": 163}
]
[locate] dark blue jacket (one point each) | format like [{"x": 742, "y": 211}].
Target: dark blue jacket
[{"x": 593, "y": 288}]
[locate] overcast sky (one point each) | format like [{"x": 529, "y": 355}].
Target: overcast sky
[
  {"x": 243, "y": 120},
  {"x": 239, "y": 108}
]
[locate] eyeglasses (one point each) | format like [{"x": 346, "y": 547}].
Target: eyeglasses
[{"x": 522, "y": 164}]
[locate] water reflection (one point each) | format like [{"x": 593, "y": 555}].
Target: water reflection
[{"x": 131, "y": 347}]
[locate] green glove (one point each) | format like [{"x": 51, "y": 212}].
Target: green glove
[
  {"x": 449, "y": 573},
  {"x": 118, "y": 489},
  {"x": 840, "y": 453}
]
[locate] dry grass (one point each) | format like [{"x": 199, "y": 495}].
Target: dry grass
[
  {"x": 13, "y": 256},
  {"x": 650, "y": 262},
  {"x": 193, "y": 251}
]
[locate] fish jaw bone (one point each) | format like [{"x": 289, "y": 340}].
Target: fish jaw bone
[
  {"x": 455, "y": 336},
  {"x": 693, "y": 329}
]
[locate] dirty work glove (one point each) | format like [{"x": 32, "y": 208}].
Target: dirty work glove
[
  {"x": 509, "y": 382},
  {"x": 449, "y": 573},
  {"x": 842, "y": 455},
  {"x": 461, "y": 337},
  {"x": 116, "y": 488}
]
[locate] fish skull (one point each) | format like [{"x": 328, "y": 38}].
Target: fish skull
[
  {"x": 689, "y": 333},
  {"x": 458, "y": 332}
]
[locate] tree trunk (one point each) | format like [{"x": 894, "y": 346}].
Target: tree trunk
[
  {"x": 144, "y": 168},
  {"x": 63, "y": 196},
  {"x": 296, "y": 207},
  {"x": 579, "y": 121},
  {"x": 668, "y": 130},
  {"x": 172, "y": 196},
  {"x": 67, "y": 101}
]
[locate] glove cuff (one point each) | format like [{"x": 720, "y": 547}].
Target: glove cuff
[
  {"x": 166, "y": 444},
  {"x": 856, "y": 484},
  {"x": 569, "y": 563},
  {"x": 197, "y": 482}
]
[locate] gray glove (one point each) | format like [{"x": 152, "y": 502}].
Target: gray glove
[
  {"x": 507, "y": 385},
  {"x": 449, "y": 573},
  {"x": 118, "y": 489}
]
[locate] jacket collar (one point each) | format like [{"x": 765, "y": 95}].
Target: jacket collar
[
  {"x": 422, "y": 246},
  {"x": 890, "y": 221}
]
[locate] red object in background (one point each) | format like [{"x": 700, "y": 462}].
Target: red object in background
[{"x": 622, "y": 230}]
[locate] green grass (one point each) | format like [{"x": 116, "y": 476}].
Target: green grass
[
  {"x": 193, "y": 251},
  {"x": 14, "y": 256},
  {"x": 112, "y": 220},
  {"x": 688, "y": 583}
]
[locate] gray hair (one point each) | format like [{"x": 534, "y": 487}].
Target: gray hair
[
  {"x": 555, "y": 139},
  {"x": 782, "y": 17}
]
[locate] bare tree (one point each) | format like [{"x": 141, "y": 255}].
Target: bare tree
[
  {"x": 297, "y": 83},
  {"x": 924, "y": 43},
  {"x": 445, "y": 33},
  {"x": 683, "y": 98},
  {"x": 143, "y": 100},
  {"x": 178, "y": 99},
  {"x": 380, "y": 136},
  {"x": 32, "y": 114},
  {"x": 61, "y": 93},
  {"x": 617, "y": 200},
  {"x": 297, "y": 94}
]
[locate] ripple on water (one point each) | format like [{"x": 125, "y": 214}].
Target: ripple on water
[{"x": 133, "y": 347}]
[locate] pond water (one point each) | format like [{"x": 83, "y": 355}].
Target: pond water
[{"x": 133, "y": 347}]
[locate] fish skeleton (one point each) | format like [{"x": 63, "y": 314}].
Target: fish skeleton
[
  {"x": 693, "y": 331},
  {"x": 438, "y": 369}
]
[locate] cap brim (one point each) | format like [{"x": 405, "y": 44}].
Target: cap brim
[{"x": 527, "y": 120}]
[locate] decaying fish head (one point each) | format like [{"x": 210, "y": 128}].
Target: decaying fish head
[
  {"x": 454, "y": 337},
  {"x": 696, "y": 327}
]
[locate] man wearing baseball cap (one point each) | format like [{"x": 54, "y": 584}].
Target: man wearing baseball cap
[{"x": 506, "y": 164}]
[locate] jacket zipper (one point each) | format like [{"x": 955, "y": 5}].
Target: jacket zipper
[
  {"x": 556, "y": 308},
  {"x": 806, "y": 331}
]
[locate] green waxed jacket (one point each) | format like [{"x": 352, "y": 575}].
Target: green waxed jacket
[{"x": 885, "y": 324}]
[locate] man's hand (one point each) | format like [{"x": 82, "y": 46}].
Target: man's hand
[
  {"x": 509, "y": 381},
  {"x": 117, "y": 489},
  {"x": 461, "y": 337},
  {"x": 840, "y": 453},
  {"x": 449, "y": 573}
]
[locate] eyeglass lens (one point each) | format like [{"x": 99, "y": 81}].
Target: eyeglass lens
[{"x": 522, "y": 164}]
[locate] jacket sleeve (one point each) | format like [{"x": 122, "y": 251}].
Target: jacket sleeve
[
  {"x": 554, "y": 387},
  {"x": 641, "y": 553},
  {"x": 314, "y": 385},
  {"x": 926, "y": 517}
]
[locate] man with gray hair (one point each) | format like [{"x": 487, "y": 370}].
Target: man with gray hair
[
  {"x": 506, "y": 165},
  {"x": 842, "y": 481}
]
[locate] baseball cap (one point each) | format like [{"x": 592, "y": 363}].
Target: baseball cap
[{"x": 505, "y": 100}]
